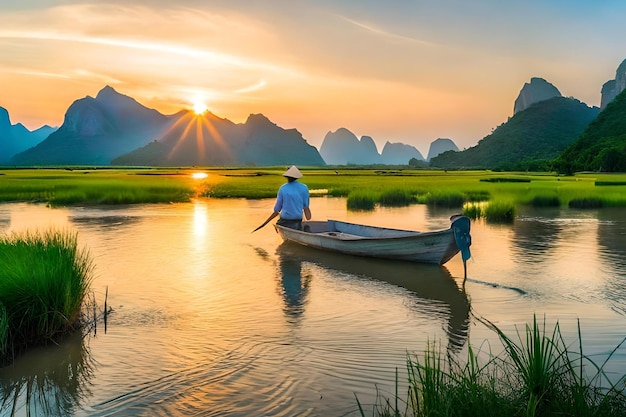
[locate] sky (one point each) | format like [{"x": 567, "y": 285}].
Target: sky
[{"x": 397, "y": 71}]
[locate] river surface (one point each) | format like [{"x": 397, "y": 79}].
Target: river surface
[{"x": 210, "y": 319}]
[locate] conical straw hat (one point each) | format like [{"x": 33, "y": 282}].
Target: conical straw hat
[{"x": 293, "y": 172}]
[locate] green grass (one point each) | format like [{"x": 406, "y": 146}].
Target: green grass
[
  {"x": 395, "y": 197},
  {"x": 537, "y": 374},
  {"x": 58, "y": 187},
  {"x": 361, "y": 200},
  {"x": 499, "y": 211},
  {"x": 586, "y": 203},
  {"x": 496, "y": 211},
  {"x": 45, "y": 280},
  {"x": 390, "y": 187}
]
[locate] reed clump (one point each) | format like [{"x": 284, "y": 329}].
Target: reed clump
[
  {"x": 545, "y": 201},
  {"x": 396, "y": 197},
  {"x": 537, "y": 374},
  {"x": 499, "y": 211},
  {"x": 45, "y": 280},
  {"x": 473, "y": 210},
  {"x": 586, "y": 203},
  {"x": 361, "y": 200}
]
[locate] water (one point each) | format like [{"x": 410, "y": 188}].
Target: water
[{"x": 210, "y": 319}]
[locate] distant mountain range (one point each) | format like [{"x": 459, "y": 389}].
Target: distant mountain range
[
  {"x": 551, "y": 132},
  {"x": 533, "y": 136},
  {"x": 115, "y": 129},
  {"x": 15, "y": 138}
]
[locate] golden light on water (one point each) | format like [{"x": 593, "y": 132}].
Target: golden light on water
[{"x": 199, "y": 175}]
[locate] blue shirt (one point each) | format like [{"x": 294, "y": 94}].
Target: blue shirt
[{"x": 292, "y": 198}]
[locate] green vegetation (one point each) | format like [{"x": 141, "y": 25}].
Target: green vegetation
[
  {"x": 45, "y": 280},
  {"x": 586, "y": 203},
  {"x": 529, "y": 140},
  {"x": 59, "y": 187},
  {"x": 383, "y": 187},
  {"x": 396, "y": 198},
  {"x": 535, "y": 375},
  {"x": 361, "y": 200},
  {"x": 545, "y": 201},
  {"x": 497, "y": 211},
  {"x": 602, "y": 146}
]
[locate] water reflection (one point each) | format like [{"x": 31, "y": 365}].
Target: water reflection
[
  {"x": 612, "y": 249},
  {"x": 50, "y": 381},
  {"x": 535, "y": 237},
  {"x": 103, "y": 220},
  {"x": 435, "y": 290},
  {"x": 294, "y": 283}
]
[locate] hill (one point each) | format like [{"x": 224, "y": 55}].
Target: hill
[
  {"x": 528, "y": 140},
  {"x": 95, "y": 130},
  {"x": 16, "y": 138},
  {"x": 602, "y": 146},
  {"x": 209, "y": 140},
  {"x": 114, "y": 128}
]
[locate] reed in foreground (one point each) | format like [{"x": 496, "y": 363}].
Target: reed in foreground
[
  {"x": 45, "y": 280},
  {"x": 536, "y": 375}
]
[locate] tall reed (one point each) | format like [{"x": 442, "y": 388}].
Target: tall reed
[
  {"x": 536, "y": 375},
  {"x": 45, "y": 279}
]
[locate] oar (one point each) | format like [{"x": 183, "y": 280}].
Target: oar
[{"x": 266, "y": 221}]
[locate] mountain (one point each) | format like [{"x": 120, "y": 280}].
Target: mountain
[
  {"x": 537, "y": 90},
  {"x": 95, "y": 130},
  {"x": 17, "y": 138},
  {"x": 528, "y": 139},
  {"x": 114, "y": 128},
  {"x": 613, "y": 88},
  {"x": 399, "y": 154},
  {"x": 342, "y": 148},
  {"x": 209, "y": 140},
  {"x": 439, "y": 146},
  {"x": 602, "y": 146}
]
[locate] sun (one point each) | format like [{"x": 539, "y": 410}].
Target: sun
[{"x": 199, "y": 107}]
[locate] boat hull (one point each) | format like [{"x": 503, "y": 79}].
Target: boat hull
[{"x": 425, "y": 247}]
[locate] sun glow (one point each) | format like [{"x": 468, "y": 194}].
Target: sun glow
[
  {"x": 199, "y": 107},
  {"x": 199, "y": 175}
]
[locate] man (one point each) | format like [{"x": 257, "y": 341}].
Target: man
[{"x": 292, "y": 200}]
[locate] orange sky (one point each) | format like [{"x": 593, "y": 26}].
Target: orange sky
[{"x": 400, "y": 71}]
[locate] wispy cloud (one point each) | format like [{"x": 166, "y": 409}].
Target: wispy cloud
[
  {"x": 255, "y": 87},
  {"x": 381, "y": 32}
]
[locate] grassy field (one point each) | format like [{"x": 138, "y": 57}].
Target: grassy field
[{"x": 362, "y": 187}]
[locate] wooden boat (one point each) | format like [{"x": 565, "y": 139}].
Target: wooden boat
[{"x": 436, "y": 247}]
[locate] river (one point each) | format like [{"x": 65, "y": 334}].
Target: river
[{"x": 209, "y": 319}]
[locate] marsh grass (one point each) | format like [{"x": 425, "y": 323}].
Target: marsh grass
[
  {"x": 361, "y": 200},
  {"x": 434, "y": 187},
  {"x": 499, "y": 211},
  {"x": 473, "y": 210},
  {"x": 586, "y": 203},
  {"x": 396, "y": 198},
  {"x": 45, "y": 279},
  {"x": 545, "y": 201},
  {"x": 91, "y": 187},
  {"x": 536, "y": 375}
]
